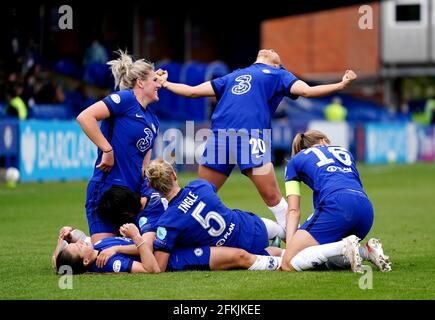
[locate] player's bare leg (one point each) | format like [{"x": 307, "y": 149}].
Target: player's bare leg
[
  {"x": 301, "y": 240},
  {"x": 215, "y": 177},
  {"x": 225, "y": 258},
  {"x": 265, "y": 181}
]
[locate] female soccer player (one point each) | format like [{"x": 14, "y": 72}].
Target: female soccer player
[
  {"x": 341, "y": 206},
  {"x": 241, "y": 121},
  {"x": 196, "y": 216},
  {"x": 132, "y": 254},
  {"x": 126, "y": 137}
]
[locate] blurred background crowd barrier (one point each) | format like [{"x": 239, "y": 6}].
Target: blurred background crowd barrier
[{"x": 48, "y": 75}]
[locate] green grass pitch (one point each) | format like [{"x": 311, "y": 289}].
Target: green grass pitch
[{"x": 404, "y": 201}]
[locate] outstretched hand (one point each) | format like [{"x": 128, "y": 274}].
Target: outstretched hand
[{"x": 348, "y": 77}]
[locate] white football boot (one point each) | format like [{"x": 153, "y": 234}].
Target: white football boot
[
  {"x": 377, "y": 256},
  {"x": 351, "y": 252}
]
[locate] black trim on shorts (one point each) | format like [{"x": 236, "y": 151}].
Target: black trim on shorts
[{"x": 313, "y": 220}]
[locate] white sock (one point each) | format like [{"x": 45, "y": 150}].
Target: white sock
[
  {"x": 314, "y": 256},
  {"x": 273, "y": 229},
  {"x": 280, "y": 211},
  {"x": 266, "y": 263}
]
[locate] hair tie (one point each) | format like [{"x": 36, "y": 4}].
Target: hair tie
[{"x": 302, "y": 136}]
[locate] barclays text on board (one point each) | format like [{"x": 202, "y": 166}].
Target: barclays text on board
[{"x": 55, "y": 150}]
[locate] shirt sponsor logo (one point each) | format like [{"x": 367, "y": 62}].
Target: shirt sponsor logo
[
  {"x": 335, "y": 169},
  {"x": 115, "y": 98},
  {"x": 143, "y": 144},
  {"x": 243, "y": 86},
  {"x": 227, "y": 234}
]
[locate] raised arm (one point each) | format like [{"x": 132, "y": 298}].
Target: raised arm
[
  {"x": 300, "y": 88},
  {"x": 148, "y": 262},
  {"x": 202, "y": 90}
]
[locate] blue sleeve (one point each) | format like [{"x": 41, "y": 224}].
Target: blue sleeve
[
  {"x": 209, "y": 185},
  {"x": 146, "y": 191},
  {"x": 148, "y": 218},
  {"x": 119, "y": 102},
  {"x": 117, "y": 263},
  {"x": 219, "y": 85},
  {"x": 286, "y": 81},
  {"x": 290, "y": 171},
  {"x": 165, "y": 238}
]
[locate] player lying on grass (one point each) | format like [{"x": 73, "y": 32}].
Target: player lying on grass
[
  {"x": 341, "y": 206},
  {"x": 133, "y": 254}
]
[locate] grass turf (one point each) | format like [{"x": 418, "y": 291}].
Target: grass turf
[{"x": 403, "y": 197}]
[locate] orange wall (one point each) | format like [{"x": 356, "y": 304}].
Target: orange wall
[{"x": 323, "y": 44}]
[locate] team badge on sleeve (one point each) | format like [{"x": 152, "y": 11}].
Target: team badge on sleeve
[
  {"x": 116, "y": 265},
  {"x": 161, "y": 233},
  {"x": 115, "y": 98},
  {"x": 142, "y": 221}
]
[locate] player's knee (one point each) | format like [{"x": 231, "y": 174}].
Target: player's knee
[
  {"x": 271, "y": 197},
  {"x": 243, "y": 258}
]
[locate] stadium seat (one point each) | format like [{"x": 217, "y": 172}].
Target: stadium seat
[
  {"x": 51, "y": 111},
  {"x": 216, "y": 69},
  {"x": 168, "y": 106},
  {"x": 68, "y": 68},
  {"x": 98, "y": 74},
  {"x": 193, "y": 73}
]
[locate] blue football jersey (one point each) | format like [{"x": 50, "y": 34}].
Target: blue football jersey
[
  {"x": 197, "y": 217},
  {"x": 180, "y": 259},
  {"x": 324, "y": 169},
  {"x": 147, "y": 219},
  {"x": 131, "y": 131},
  {"x": 118, "y": 262},
  {"x": 247, "y": 98}
]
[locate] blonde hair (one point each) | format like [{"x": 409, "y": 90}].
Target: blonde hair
[
  {"x": 126, "y": 71},
  {"x": 307, "y": 139},
  {"x": 159, "y": 174}
]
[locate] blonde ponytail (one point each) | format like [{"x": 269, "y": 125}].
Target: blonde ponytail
[
  {"x": 126, "y": 71},
  {"x": 308, "y": 139}
]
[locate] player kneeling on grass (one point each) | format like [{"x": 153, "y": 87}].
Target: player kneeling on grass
[
  {"x": 341, "y": 208},
  {"x": 133, "y": 255}
]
